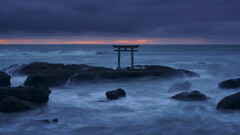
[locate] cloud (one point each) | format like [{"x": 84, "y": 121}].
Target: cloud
[{"x": 124, "y": 18}]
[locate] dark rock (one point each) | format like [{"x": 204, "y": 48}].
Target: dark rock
[
  {"x": 231, "y": 102},
  {"x": 140, "y": 71},
  {"x": 184, "y": 86},
  {"x": 4, "y": 79},
  {"x": 40, "y": 94},
  {"x": 12, "y": 104},
  {"x": 40, "y": 67},
  {"x": 13, "y": 99},
  {"x": 46, "y": 68},
  {"x": 230, "y": 84},
  {"x": 115, "y": 94},
  {"x": 45, "y": 121},
  {"x": 32, "y": 94},
  {"x": 190, "y": 96},
  {"x": 47, "y": 79},
  {"x": 55, "y": 120},
  {"x": 46, "y": 74}
]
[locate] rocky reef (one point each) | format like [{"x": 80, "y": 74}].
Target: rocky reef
[{"x": 46, "y": 74}]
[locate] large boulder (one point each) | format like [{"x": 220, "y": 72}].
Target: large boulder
[
  {"x": 115, "y": 94},
  {"x": 230, "y": 84},
  {"x": 13, "y": 104},
  {"x": 190, "y": 96},
  {"x": 40, "y": 94},
  {"x": 183, "y": 86},
  {"x": 13, "y": 99},
  {"x": 32, "y": 94},
  {"x": 40, "y": 67},
  {"x": 4, "y": 79},
  {"x": 231, "y": 102},
  {"x": 47, "y": 79}
]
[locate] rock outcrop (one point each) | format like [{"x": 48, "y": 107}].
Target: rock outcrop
[
  {"x": 190, "y": 96},
  {"x": 231, "y": 102},
  {"x": 46, "y": 74},
  {"x": 4, "y": 79},
  {"x": 13, "y": 104},
  {"x": 140, "y": 71},
  {"x": 230, "y": 84},
  {"x": 115, "y": 94},
  {"x": 14, "y": 99}
]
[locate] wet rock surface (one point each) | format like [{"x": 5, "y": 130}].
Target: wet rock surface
[
  {"x": 231, "y": 102},
  {"x": 13, "y": 104},
  {"x": 230, "y": 84},
  {"x": 4, "y": 79},
  {"x": 190, "y": 96},
  {"x": 46, "y": 74},
  {"x": 13, "y": 99},
  {"x": 115, "y": 94}
]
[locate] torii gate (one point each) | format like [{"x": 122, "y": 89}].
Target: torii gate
[{"x": 125, "y": 48}]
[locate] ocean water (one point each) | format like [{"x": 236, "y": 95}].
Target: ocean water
[{"x": 147, "y": 109}]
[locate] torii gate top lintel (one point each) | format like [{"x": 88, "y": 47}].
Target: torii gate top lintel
[
  {"x": 129, "y": 48},
  {"x": 126, "y": 46}
]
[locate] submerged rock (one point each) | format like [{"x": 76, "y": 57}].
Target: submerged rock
[
  {"x": 4, "y": 79},
  {"x": 14, "y": 99},
  {"x": 45, "y": 121},
  {"x": 55, "y": 120},
  {"x": 184, "y": 86},
  {"x": 190, "y": 96},
  {"x": 49, "y": 121},
  {"x": 230, "y": 84},
  {"x": 231, "y": 102},
  {"x": 115, "y": 94},
  {"x": 13, "y": 104}
]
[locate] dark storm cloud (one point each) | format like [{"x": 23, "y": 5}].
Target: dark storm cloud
[{"x": 136, "y": 18}]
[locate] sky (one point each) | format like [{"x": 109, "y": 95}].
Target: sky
[{"x": 120, "y": 22}]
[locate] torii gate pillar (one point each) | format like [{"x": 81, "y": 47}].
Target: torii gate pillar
[{"x": 125, "y": 48}]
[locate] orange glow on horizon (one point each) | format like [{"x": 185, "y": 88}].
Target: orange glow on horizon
[
  {"x": 3, "y": 41},
  {"x": 105, "y": 41},
  {"x": 77, "y": 42},
  {"x": 133, "y": 41}
]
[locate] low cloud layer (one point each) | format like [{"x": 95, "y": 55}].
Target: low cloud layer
[{"x": 213, "y": 20}]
